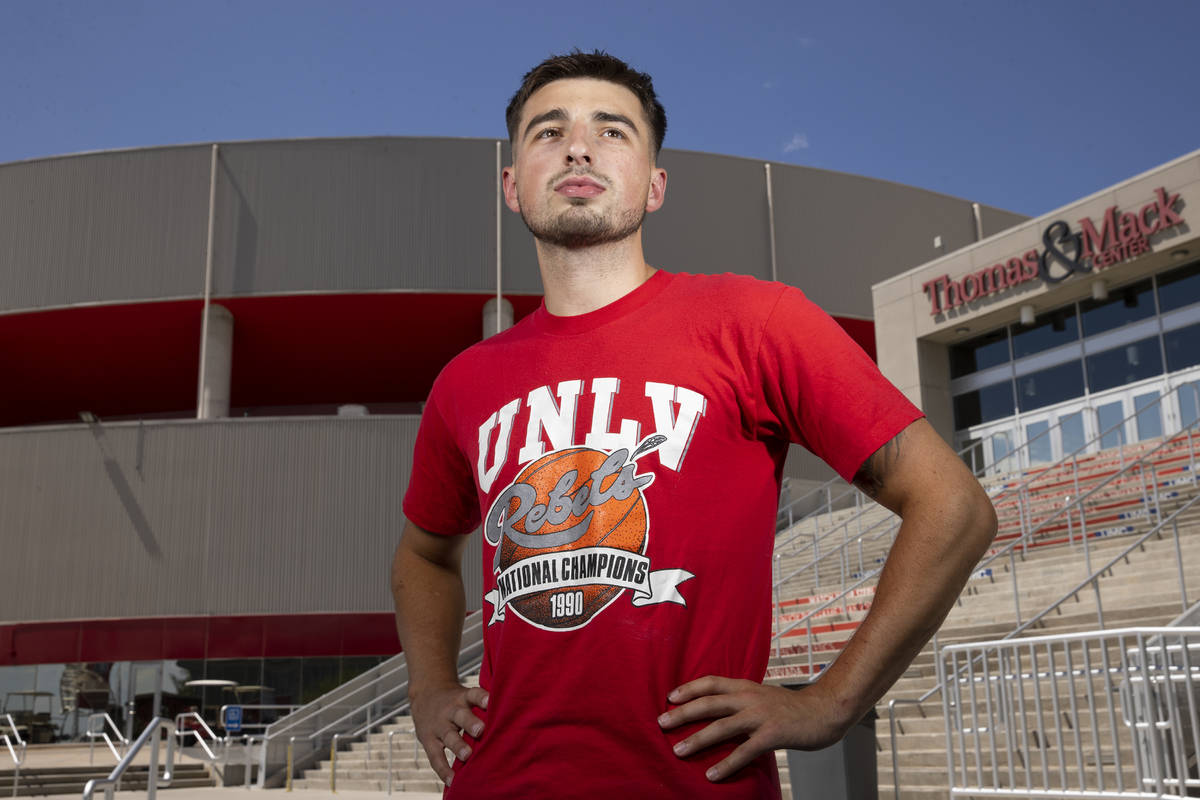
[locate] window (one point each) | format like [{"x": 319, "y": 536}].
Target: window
[
  {"x": 983, "y": 405},
  {"x": 1048, "y": 386},
  {"x": 979, "y": 353},
  {"x": 1071, "y": 429},
  {"x": 1037, "y": 440},
  {"x": 1124, "y": 305},
  {"x": 1149, "y": 416},
  {"x": 1109, "y": 417},
  {"x": 1049, "y": 330},
  {"x": 1124, "y": 364},
  {"x": 1189, "y": 403},
  {"x": 1179, "y": 287},
  {"x": 1183, "y": 347}
]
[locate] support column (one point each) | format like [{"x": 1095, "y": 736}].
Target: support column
[
  {"x": 217, "y": 368},
  {"x": 492, "y": 325}
]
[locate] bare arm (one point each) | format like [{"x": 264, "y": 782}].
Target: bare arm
[
  {"x": 428, "y": 589},
  {"x": 947, "y": 524}
]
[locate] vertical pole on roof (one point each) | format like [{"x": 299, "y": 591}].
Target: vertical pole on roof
[
  {"x": 208, "y": 267},
  {"x": 771, "y": 221},
  {"x": 499, "y": 219},
  {"x": 977, "y": 213}
]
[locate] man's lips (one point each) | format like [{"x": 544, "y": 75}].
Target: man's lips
[{"x": 579, "y": 187}]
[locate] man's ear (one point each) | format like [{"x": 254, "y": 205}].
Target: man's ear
[
  {"x": 508, "y": 182},
  {"x": 658, "y": 189}
]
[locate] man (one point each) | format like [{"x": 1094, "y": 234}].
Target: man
[{"x": 622, "y": 448}]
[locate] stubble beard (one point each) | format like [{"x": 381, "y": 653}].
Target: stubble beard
[{"x": 580, "y": 226}]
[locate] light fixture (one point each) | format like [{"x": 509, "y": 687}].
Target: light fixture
[
  {"x": 1180, "y": 254},
  {"x": 962, "y": 329},
  {"x": 1027, "y": 314},
  {"x": 1099, "y": 290}
]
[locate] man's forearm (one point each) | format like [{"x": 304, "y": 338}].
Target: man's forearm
[
  {"x": 937, "y": 546},
  {"x": 427, "y": 587}
]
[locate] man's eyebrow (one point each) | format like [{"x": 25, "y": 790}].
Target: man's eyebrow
[
  {"x": 553, "y": 115},
  {"x": 609, "y": 116}
]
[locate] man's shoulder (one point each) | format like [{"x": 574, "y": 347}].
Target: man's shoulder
[
  {"x": 498, "y": 345},
  {"x": 729, "y": 293}
]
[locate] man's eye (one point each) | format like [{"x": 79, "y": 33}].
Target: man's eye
[
  {"x": 547, "y": 133},
  {"x": 614, "y": 133}
]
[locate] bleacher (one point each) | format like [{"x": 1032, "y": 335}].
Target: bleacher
[{"x": 1057, "y": 524}]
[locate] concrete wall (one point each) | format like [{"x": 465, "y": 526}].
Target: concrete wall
[
  {"x": 239, "y": 516},
  {"x": 420, "y": 214}
]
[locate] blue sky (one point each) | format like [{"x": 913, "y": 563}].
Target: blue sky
[{"x": 1022, "y": 105}]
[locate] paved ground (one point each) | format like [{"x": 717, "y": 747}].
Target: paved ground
[{"x": 56, "y": 755}]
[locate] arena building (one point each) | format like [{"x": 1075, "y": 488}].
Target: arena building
[
  {"x": 215, "y": 357},
  {"x": 1081, "y": 324}
]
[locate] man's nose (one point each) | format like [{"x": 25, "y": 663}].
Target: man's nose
[{"x": 578, "y": 149}]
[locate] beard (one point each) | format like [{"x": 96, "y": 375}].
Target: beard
[{"x": 580, "y": 226}]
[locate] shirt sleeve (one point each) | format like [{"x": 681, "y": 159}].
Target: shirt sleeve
[
  {"x": 821, "y": 390},
  {"x": 441, "y": 496}
]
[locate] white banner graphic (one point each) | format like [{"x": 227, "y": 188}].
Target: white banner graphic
[{"x": 587, "y": 566}]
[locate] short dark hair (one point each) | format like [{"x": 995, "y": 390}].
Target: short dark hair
[{"x": 596, "y": 64}]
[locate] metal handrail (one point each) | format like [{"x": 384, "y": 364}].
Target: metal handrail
[
  {"x": 256, "y": 707},
  {"x": 181, "y": 731},
  {"x": 342, "y": 727},
  {"x": 1019, "y": 490},
  {"x": 825, "y": 488},
  {"x": 21, "y": 747},
  {"x": 1004, "y": 709},
  {"x": 93, "y": 734},
  {"x": 1073, "y": 456},
  {"x": 153, "y": 781},
  {"x": 1026, "y": 537}
]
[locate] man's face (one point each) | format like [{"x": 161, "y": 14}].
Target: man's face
[{"x": 583, "y": 173}]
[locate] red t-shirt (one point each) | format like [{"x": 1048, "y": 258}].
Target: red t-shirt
[{"x": 625, "y": 465}]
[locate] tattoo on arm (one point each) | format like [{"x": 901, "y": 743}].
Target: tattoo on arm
[{"x": 872, "y": 475}]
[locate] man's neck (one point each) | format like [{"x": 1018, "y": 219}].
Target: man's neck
[{"x": 580, "y": 280}]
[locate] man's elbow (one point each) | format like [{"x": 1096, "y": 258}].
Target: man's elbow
[{"x": 980, "y": 523}]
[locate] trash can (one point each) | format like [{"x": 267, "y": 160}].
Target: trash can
[{"x": 843, "y": 771}]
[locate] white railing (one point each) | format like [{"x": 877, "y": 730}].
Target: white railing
[
  {"x": 1074, "y": 514},
  {"x": 191, "y": 723},
  {"x": 840, "y": 541},
  {"x": 151, "y": 737},
  {"x": 1092, "y": 580},
  {"x": 1106, "y": 714},
  {"x": 16, "y": 748},
  {"x": 98, "y": 727}
]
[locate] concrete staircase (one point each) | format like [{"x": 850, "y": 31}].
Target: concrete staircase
[
  {"x": 359, "y": 771},
  {"x": 56, "y": 780},
  {"x": 1140, "y": 590}
]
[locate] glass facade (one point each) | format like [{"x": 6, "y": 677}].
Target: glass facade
[
  {"x": 1128, "y": 363},
  {"x": 1059, "y": 327},
  {"x": 55, "y": 700},
  {"x": 1179, "y": 288},
  {"x": 1183, "y": 347},
  {"x": 1149, "y": 416},
  {"x": 981, "y": 352},
  {"x": 1123, "y": 306},
  {"x": 983, "y": 405},
  {"x": 1189, "y": 403},
  {"x": 1049, "y": 386},
  {"x": 1080, "y": 349}
]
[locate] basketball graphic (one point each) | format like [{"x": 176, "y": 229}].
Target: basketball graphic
[
  {"x": 570, "y": 534},
  {"x": 617, "y": 523}
]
